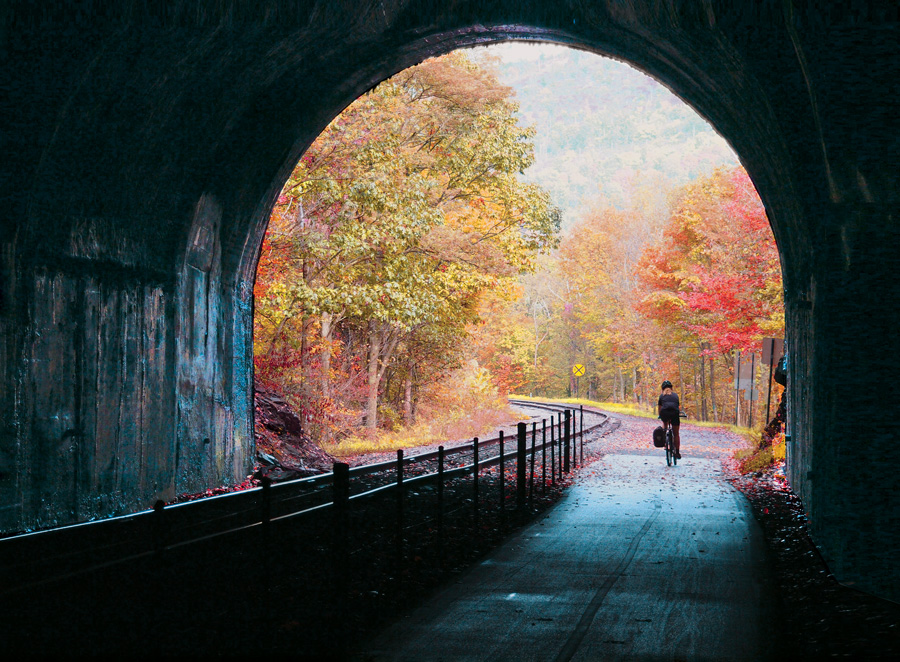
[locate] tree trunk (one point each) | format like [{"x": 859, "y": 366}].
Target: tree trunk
[
  {"x": 712, "y": 389},
  {"x": 634, "y": 381},
  {"x": 407, "y": 398},
  {"x": 415, "y": 397},
  {"x": 695, "y": 385},
  {"x": 351, "y": 347},
  {"x": 305, "y": 321},
  {"x": 388, "y": 381},
  {"x": 374, "y": 352},
  {"x": 325, "y": 358},
  {"x": 703, "y": 412}
]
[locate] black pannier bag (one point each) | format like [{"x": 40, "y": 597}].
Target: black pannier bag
[{"x": 659, "y": 437}]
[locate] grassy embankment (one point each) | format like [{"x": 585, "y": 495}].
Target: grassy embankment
[{"x": 433, "y": 428}]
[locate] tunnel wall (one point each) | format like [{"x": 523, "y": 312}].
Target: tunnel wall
[
  {"x": 843, "y": 451},
  {"x": 126, "y": 389},
  {"x": 145, "y": 151}
]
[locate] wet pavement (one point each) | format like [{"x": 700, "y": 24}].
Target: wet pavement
[{"x": 639, "y": 561}]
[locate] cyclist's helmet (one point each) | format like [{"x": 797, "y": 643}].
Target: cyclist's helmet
[{"x": 666, "y": 384}]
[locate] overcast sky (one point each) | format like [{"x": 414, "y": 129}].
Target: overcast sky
[{"x": 603, "y": 127}]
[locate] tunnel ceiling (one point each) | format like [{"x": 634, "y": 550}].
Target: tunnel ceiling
[{"x": 139, "y": 119}]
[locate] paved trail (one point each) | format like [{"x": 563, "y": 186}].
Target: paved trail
[{"x": 639, "y": 561}]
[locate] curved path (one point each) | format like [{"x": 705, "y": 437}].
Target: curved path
[{"x": 638, "y": 561}]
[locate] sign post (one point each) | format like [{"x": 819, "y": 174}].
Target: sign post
[
  {"x": 770, "y": 348},
  {"x": 578, "y": 371},
  {"x": 743, "y": 380},
  {"x": 752, "y": 386}
]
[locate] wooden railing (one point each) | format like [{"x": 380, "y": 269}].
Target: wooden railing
[{"x": 30, "y": 560}]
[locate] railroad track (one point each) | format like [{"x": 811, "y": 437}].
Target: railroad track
[
  {"x": 593, "y": 417},
  {"x": 419, "y": 468}
]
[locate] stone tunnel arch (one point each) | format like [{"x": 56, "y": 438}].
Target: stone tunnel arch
[{"x": 125, "y": 360}]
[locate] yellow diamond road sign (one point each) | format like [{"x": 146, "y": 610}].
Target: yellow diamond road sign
[{"x": 578, "y": 370}]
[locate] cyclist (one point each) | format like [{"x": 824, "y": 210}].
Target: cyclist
[{"x": 669, "y": 410}]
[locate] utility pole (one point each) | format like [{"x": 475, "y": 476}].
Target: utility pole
[
  {"x": 752, "y": 384},
  {"x": 737, "y": 384}
]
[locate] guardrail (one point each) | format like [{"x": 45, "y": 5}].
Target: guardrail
[{"x": 33, "y": 559}]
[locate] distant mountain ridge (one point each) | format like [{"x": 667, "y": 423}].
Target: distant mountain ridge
[{"x": 604, "y": 128}]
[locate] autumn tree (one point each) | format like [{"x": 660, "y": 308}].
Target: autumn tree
[
  {"x": 405, "y": 209},
  {"x": 638, "y": 297},
  {"x": 714, "y": 281}
]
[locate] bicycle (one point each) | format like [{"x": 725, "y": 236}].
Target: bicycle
[
  {"x": 671, "y": 458},
  {"x": 671, "y": 455}
]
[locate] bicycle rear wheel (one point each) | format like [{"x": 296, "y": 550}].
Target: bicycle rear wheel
[{"x": 670, "y": 448}]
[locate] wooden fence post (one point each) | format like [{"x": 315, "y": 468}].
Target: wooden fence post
[
  {"x": 521, "y": 464},
  {"x": 340, "y": 553},
  {"x": 581, "y": 437},
  {"x": 552, "y": 451},
  {"x": 266, "y": 518},
  {"x": 340, "y": 495},
  {"x": 502, "y": 473},
  {"x": 266, "y": 515},
  {"x": 399, "y": 541},
  {"x": 340, "y": 486},
  {"x": 440, "y": 498},
  {"x": 475, "y": 476},
  {"x": 531, "y": 477},
  {"x": 543, "y": 456},
  {"x": 559, "y": 443}
]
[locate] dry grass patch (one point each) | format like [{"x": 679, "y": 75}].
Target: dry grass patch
[
  {"x": 447, "y": 426},
  {"x": 755, "y": 457}
]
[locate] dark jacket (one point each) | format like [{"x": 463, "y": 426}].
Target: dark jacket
[{"x": 669, "y": 405}]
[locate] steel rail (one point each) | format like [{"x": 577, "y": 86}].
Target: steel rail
[{"x": 463, "y": 447}]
